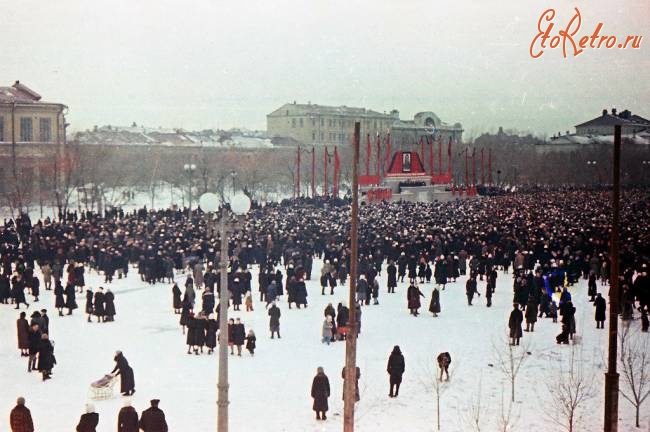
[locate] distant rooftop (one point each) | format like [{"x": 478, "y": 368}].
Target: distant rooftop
[{"x": 20, "y": 94}]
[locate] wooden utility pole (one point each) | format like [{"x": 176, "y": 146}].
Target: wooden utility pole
[
  {"x": 350, "y": 382},
  {"x": 222, "y": 386},
  {"x": 611, "y": 376}
]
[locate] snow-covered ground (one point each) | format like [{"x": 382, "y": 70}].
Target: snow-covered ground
[{"x": 270, "y": 391}]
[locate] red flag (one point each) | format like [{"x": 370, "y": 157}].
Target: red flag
[
  {"x": 368, "y": 154},
  {"x": 422, "y": 151},
  {"x": 388, "y": 155},
  {"x": 482, "y": 169},
  {"x": 490, "y": 166},
  {"x": 439, "y": 155},
  {"x": 449, "y": 159},
  {"x": 466, "y": 168},
  {"x": 298, "y": 176},
  {"x": 337, "y": 167},
  {"x": 325, "y": 157},
  {"x": 313, "y": 172},
  {"x": 378, "y": 155},
  {"x": 430, "y": 143},
  {"x": 474, "y": 166}
]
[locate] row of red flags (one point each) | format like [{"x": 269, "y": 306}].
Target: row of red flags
[{"x": 382, "y": 168}]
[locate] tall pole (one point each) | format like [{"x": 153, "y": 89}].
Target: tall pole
[
  {"x": 313, "y": 172},
  {"x": 388, "y": 154},
  {"x": 466, "y": 168},
  {"x": 440, "y": 155},
  {"x": 422, "y": 151},
  {"x": 298, "y": 176},
  {"x": 368, "y": 153},
  {"x": 351, "y": 338},
  {"x": 611, "y": 376},
  {"x": 482, "y": 168},
  {"x": 490, "y": 166},
  {"x": 325, "y": 155},
  {"x": 378, "y": 143},
  {"x": 474, "y": 167},
  {"x": 224, "y": 299},
  {"x": 430, "y": 144}
]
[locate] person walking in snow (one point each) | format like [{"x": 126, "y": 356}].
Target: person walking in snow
[
  {"x": 395, "y": 370},
  {"x": 320, "y": 392},
  {"x": 88, "y": 421},
  {"x": 274, "y": 320},
  {"x": 20, "y": 418},
  {"x": 514, "y": 324},
  {"x": 413, "y": 295},
  {"x": 434, "y": 306},
  {"x": 327, "y": 332},
  {"x": 127, "y": 418},
  {"x": 122, "y": 368},
  {"x": 251, "y": 341}
]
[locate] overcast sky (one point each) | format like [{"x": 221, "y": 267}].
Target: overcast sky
[{"x": 212, "y": 63}]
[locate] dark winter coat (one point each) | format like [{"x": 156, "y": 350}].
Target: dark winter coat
[
  {"x": 274, "y": 321},
  {"x": 22, "y": 327},
  {"x": 70, "y": 301},
  {"x": 153, "y": 420},
  {"x": 211, "y": 333},
  {"x": 250, "y": 343},
  {"x": 395, "y": 366},
  {"x": 176, "y": 294},
  {"x": 59, "y": 301},
  {"x": 392, "y": 275},
  {"x": 46, "y": 360},
  {"x": 514, "y": 323},
  {"x": 20, "y": 419},
  {"x": 88, "y": 422},
  {"x": 320, "y": 391},
  {"x": 531, "y": 312},
  {"x": 89, "y": 302},
  {"x": 238, "y": 334},
  {"x": 434, "y": 306},
  {"x": 127, "y": 420},
  {"x": 100, "y": 309},
  {"x": 109, "y": 302},
  {"x": 413, "y": 296},
  {"x": 127, "y": 380},
  {"x": 193, "y": 329},
  {"x": 601, "y": 306}
]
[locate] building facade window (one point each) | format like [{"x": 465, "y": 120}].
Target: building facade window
[
  {"x": 26, "y": 131},
  {"x": 322, "y": 136},
  {"x": 293, "y": 123},
  {"x": 313, "y": 138},
  {"x": 322, "y": 121},
  {"x": 2, "y": 128},
  {"x": 313, "y": 122},
  {"x": 45, "y": 128},
  {"x": 300, "y": 122}
]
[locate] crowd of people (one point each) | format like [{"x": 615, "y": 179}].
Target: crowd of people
[{"x": 545, "y": 240}]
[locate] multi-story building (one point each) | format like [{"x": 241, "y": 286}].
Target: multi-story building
[
  {"x": 312, "y": 124},
  {"x": 604, "y": 124},
  {"x": 26, "y": 119},
  {"x": 32, "y": 139}
]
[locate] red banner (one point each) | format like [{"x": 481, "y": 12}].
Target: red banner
[{"x": 376, "y": 195}]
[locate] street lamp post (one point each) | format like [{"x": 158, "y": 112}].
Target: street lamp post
[
  {"x": 239, "y": 206},
  {"x": 645, "y": 166},
  {"x": 189, "y": 169}
]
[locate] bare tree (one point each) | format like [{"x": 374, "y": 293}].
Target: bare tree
[
  {"x": 430, "y": 381},
  {"x": 569, "y": 391},
  {"x": 635, "y": 369},
  {"x": 509, "y": 359},
  {"x": 507, "y": 419},
  {"x": 472, "y": 415}
]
